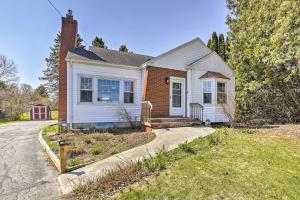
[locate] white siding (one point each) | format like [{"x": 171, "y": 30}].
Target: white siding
[
  {"x": 181, "y": 57},
  {"x": 101, "y": 112},
  {"x": 213, "y": 112}
]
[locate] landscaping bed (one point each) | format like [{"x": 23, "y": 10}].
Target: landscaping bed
[
  {"x": 82, "y": 148},
  {"x": 230, "y": 164}
]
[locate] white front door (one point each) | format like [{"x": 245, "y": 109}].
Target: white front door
[{"x": 177, "y": 96}]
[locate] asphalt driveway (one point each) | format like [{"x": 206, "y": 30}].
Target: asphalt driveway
[{"x": 24, "y": 171}]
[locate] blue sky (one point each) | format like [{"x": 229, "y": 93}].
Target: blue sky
[{"x": 149, "y": 27}]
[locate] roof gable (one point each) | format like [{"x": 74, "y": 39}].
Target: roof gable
[{"x": 181, "y": 56}]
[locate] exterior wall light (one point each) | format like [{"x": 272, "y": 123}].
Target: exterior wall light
[{"x": 167, "y": 80}]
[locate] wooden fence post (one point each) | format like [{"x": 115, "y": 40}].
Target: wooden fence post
[{"x": 62, "y": 158}]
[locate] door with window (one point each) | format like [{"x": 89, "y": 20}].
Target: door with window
[{"x": 177, "y": 96}]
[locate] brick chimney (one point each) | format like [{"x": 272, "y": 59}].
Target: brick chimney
[{"x": 68, "y": 41}]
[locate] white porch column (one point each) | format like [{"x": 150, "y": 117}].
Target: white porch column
[{"x": 189, "y": 92}]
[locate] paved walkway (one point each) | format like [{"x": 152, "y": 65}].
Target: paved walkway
[
  {"x": 24, "y": 170},
  {"x": 170, "y": 138}
]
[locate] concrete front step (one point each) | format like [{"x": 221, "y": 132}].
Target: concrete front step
[
  {"x": 170, "y": 119},
  {"x": 158, "y": 125}
]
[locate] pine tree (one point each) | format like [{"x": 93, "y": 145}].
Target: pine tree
[
  {"x": 214, "y": 42},
  {"x": 227, "y": 48},
  {"x": 50, "y": 74},
  {"x": 264, "y": 53},
  {"x": 209, "y": 43},
  {"x": 123, "y": 48},
  {"x": 98, "y": 42},
  {"x": 222, "y": 49}
]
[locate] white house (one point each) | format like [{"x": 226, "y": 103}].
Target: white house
[{"x": 96, "y": 84}]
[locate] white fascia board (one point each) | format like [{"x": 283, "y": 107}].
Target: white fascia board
[{"x": 97, "y": 63}]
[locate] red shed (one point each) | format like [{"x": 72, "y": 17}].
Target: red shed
[{"x": 40, "y": 112}]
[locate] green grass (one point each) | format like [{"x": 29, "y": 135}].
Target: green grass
[
  {"x": 25, "y": 117},
  {"x": 73, "y": 162},
  {"x": 231, "y": 164},
  {"x": 96, "y": 150},
  {"x": 54, "y": 115},
  {"x": 50, "y": 129},
  {"x": 5, "y": 123}
]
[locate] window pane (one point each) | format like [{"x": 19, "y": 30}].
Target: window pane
[
  {"x": 108, "y": 90},
  {"x": 207, "y": 86},
  {"x": 220, "y": 87},
  {"x": 176, "y": 101},
  {"x": 86, "y": 96},
  {"x": 128, "y": 86},
  {"x": 128, "y": 97},
  {"x": 221, "y": 98},
  {"x": 207, "y": 98},
  {"x": 176, "y": 95},
  {"x": 86, "y": 83}
]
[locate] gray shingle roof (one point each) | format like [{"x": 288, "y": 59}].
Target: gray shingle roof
[{"x": 108, "y": 56}]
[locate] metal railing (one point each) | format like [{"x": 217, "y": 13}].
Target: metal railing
[
  {"x": 196, "y": 111},
  {"x": 146, "y": 112}
]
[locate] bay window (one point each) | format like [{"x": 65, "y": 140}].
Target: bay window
[{"x": 86, "y": 89}]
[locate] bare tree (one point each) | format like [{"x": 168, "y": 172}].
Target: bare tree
[
  {"x": 8, "y": 70},
  {"x": 124, "y": 114}
]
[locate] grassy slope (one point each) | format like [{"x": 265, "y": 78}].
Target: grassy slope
[{"x": 246, "y": 166}]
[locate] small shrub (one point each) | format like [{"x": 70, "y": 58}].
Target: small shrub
[
  {"x": 73, "y": 162},
  {"x": 87, "y": 141},
  {"x": 248, "y": 131},
  {"x": 53, "y": 145},
  {"x": 50, "y": 129},
  {"x": 73, "y": 151},
  {"x": 187, "y": 147},
  {"x": 117, "y": 149},
  {"x": 96, "y": 150},
  {"x": 157, "y": 162}
]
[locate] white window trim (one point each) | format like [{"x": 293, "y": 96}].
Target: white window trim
[
  {"x": 226, "y": 91},
  {"x": 95, "y": 90},
  {"x": 211, "y": 91},
  {"x": 134, "y": 91},
  {"x": 110, "y": 79},
  {"x": 79, "y": 89}
]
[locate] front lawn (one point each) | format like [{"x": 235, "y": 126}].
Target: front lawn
[
  {"x": 264, "y": 164},
  {"x": 84, "y": 148}
]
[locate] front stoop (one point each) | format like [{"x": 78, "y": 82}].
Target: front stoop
[{"x": 174, "y": 122}]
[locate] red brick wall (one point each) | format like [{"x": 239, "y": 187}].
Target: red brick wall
[
  {"x": 156, "y": 90},
  {"x": 68, "y": 41}
]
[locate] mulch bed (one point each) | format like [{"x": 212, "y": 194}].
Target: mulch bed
[{"x": 84, "y": 148}]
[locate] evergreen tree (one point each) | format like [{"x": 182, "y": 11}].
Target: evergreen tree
[
  {"x": 50, "y": 74},
  {"x": 264, "y": 53},
  {"x": 123, "y": 48},
  {"x": 222, "y": 49},
  {"x": 41, "y": 91},
  {"x": 209, "y": 43},
  {"x": 227, "y": 48},
  {"x": 98, "y": 42},
  {"x": 214, "y": 42}
]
